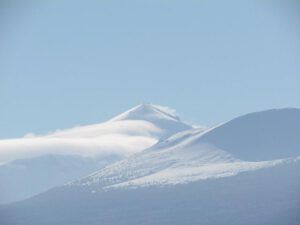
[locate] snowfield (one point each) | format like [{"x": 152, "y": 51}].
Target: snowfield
[
  {"x": 34, "y": 164},
  {"x": 146, "y": 166},
  {"x": 198, "y": 154},
  {"x": 180, "y": 159}
]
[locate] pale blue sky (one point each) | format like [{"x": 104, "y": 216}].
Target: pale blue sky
[{"x": 65, "y": 63}]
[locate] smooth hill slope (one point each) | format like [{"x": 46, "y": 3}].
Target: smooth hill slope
[
  {"x": 266, "y": 138},
  {"x": 266, "y": 135},
  {"x": 182, "y": 158},
  {"x": 170, "y": 161}
]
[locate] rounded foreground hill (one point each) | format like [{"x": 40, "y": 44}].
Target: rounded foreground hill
[{"x": 266, "y": 135}]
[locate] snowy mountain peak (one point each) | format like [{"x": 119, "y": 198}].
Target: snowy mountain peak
[
  {"x": 149, "y": 112},
  {"x": 160, "y": 116}
]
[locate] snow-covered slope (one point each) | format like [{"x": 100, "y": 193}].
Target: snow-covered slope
[
  {"x": 161, "y": 116},
  {"x": 141, "y": 120},
  {"x": 80, "y": 150},
  {"x": 168, "y": 157},
  {"x": 182, "y": 158},
  {"x": 266, "y": 135},
  {"x": 227, "y": 174}
]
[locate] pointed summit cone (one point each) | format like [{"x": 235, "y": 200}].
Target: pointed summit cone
[{"x": 160, "y": 116}]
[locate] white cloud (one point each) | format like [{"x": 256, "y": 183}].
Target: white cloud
[
  {"x": 115, "y": 138},
  {"x": 110, "y": 144}
]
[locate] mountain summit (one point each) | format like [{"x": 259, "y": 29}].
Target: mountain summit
[
  {"x": 94, "y": 146},
  {"x": 148, "y": 112},
  {"x": 245, "y": 171},
  {"x": 161, "y": 116}
]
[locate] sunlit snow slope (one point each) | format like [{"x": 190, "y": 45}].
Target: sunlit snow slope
[
  {"x": 266, "y": 135},
  {"x": 224, "y": 150},
  {"x": 227, "y": 174},
  {"x": 31, "y": 165}
]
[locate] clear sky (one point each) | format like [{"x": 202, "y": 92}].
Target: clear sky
[{"x": 66, "y": 63}]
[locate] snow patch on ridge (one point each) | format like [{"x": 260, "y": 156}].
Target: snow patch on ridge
[
  {"x": 189, "y": 173},
  {"x": 148, "y": 112}
]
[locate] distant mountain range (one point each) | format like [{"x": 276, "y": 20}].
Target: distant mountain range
[{"x": 146, "y": 166}]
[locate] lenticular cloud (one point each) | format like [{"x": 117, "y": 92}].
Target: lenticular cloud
[
  {"x": 132, "y": 131},
  {"x": 121, "y": 145}
]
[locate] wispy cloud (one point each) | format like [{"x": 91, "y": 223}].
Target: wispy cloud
[{"x": 114, "y": 138}]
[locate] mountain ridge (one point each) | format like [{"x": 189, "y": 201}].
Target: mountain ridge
[{"x": 99, "y": 142}]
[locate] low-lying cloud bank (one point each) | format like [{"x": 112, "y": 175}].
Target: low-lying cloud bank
[{"x": 115, "y": 138}]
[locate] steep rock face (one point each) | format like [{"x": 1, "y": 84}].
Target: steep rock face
[{"x": 266, "y": 135}]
